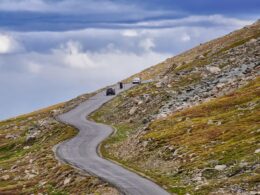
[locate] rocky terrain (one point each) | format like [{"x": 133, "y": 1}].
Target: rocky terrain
[
  {"x": 27, "y": 161},
  {"x": 195, "y": 129}
]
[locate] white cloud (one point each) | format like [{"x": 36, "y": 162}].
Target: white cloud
[
  {"x": 147, "y": 44},
  {"x": 5, "y": 44},
  {"x": 130, "y": 33},
  {"x": 73, "y": 56},
  {"x": 8, "y": 44},
  {"x": 70, "y": 63},
  {"x": 107, "y": 60},
  {"x": 71, "y": 47},
  {"x": 196, "y": 20},
  {"x": 34, "y": 68},
  {"x": 185, "y": 37}
]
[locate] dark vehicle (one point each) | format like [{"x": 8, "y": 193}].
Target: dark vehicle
[
  {"x": 121, "y": 85},
  {"x": 110, "y": 91}
]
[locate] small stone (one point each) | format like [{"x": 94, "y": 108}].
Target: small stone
[
  {"x": 210, "y": 122},
  {"x": 66, "y": 181},
  {"x": 158, "y": 85},
  {"x": 133, "y": 110},
  {"x": 5, "y": 177},
  {"x": 252, "y": 40},
  {"x": 162, "y": 115},
  {"x": 30, "y": 176},
  {"x": 26, "y": 147},
  {"x": 219, "y": 123},
  {"x": 220, "y": 167},
  {"x": 145, "y": 143},
  {"x": 201, "y": 57},
  {"x": 10, "y": 136},
  {"x": 220, "y": 85},
  {"x": 30, "y": 138},
  {"x": 254, "y": 192},
  {"x": 213, "y": 69},
  {"x": 140, "y": 102},
  {"x": 257, "y": 151},
  {"x": 42, "y": 183},
  {"x": 243, "y": 164},
  {"x": 198, "y": 178}
]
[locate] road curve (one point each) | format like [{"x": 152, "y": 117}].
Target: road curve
[{"x": 81, "y": 151}]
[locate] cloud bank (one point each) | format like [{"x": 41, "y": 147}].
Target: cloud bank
[
  {"x": 51, "y": 51},
  {"x": 8, "y": 44}
]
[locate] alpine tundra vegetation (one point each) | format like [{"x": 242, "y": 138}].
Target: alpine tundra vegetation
[
  {"x": 27, "y": 161},
  {"x": 194, "y": 129}
]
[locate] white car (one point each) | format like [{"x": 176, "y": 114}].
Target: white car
[{"x": 136, "y": 80}]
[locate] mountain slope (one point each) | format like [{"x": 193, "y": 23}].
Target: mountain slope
[
  {"x": 196, "y": 128},
  {"x": 27, "y": 162}
]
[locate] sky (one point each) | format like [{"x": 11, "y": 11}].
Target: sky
[{"x": 54, "y": 50}]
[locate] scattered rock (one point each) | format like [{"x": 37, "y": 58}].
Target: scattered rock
[
  {"x": 67, "y": 181},
  {"x": 243, "y": 164},
  {"x": 220, "y": 167},
  {"x": 159, "y": 84},
  {"x": 218, "y": 123},
  {"x": 254, "y": 192},
  {"x": 5, "y": 177},
  {"x": 161, "y": 115},
  {"x": 213, "y": 69},
  {"x": 145, "y": 143},
  {"x": 133, "y": 110},
  {"x": 252, "y": 41},
  {"x": 29, "y": 176},
  {"x": 220, "y": 85},
  {"x": 210, "y": 122},
  {"x": 13, "y": 167},
  {"x": 26, "y": 147},
  {"x": 140, "y": 102},
  {"x": 42, "y": 183},
  {"x": 201, "y": 57},
  {"x": 10, "y": 136},
  {"x": 30, "y": 138},
  {"x": 257, "y": 151}
]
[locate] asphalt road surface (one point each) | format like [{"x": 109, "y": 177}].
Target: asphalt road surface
[{"x": 81, "y": 151}]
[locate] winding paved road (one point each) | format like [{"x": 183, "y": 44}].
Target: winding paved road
[{"x": 81, "y": 151}]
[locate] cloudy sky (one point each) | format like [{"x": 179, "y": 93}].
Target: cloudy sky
[{"x": 54, "y": 50}]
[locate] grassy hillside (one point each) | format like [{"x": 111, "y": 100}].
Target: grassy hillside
[
  {"x": 27, "y": 162},
  {"x": 211, "y": 147},
  {"x": 195, "y": 129}
]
